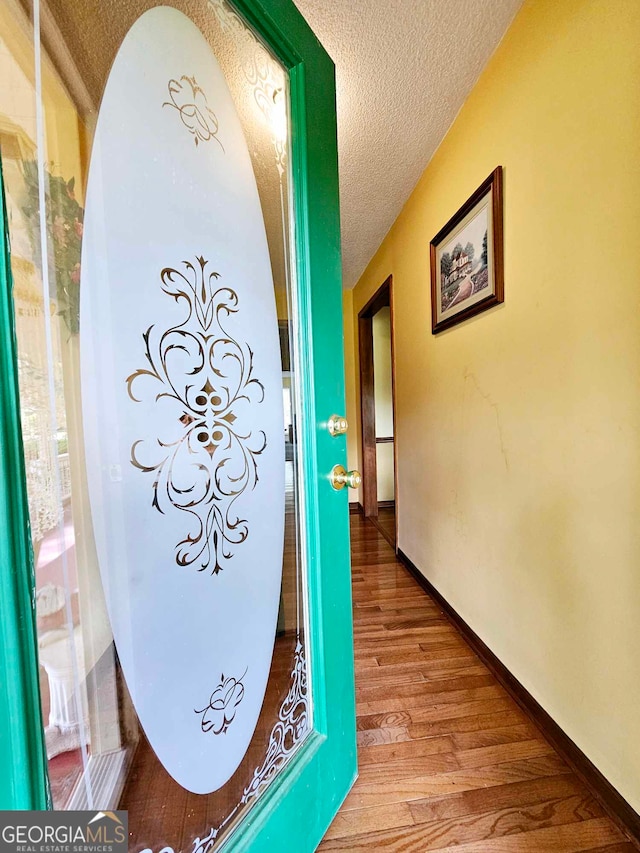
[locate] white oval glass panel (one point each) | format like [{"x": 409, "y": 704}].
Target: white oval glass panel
[{"x": 182, "y": 400}]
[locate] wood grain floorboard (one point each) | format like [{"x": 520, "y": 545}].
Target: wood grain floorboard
[
  {"x": 392, "y": 734},
  {"x": 447, "y": 760},
  {"x": 379, "y": 753},
  {"x": 393, "y": 787},
  {"x": 569, "y": 837}
]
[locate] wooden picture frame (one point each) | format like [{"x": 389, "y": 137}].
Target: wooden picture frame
[{"x": 467, "y": 268}]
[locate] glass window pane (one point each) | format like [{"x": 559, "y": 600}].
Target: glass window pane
[{"x": 141, "y": 325}]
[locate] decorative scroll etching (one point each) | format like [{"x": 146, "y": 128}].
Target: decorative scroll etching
[
  {"x": 188, "y": 98},
  {"x": 220, "y": 712},
  {"x": 207, "y": 376},
  {"x": 289, "y": 730},
  {"x": 261, "y": 72}
]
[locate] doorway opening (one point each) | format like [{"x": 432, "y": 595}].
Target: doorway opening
[{"x": 377, "y": 401}]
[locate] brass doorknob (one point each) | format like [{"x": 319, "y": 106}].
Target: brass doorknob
[{"x": 340, "y": 478}]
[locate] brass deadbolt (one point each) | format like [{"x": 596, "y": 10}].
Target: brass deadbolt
[{"x": 337, "y": 425}]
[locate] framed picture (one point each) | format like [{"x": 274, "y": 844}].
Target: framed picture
[{"x": 467, "y": 274}]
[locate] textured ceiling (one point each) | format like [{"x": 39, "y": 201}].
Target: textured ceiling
[{"x": 404, "y": 69}]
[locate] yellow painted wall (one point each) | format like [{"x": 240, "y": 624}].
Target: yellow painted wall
[{"x": 519, "y": 431}]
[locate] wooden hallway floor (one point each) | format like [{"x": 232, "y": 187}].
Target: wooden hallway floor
[{"x": 447, "y": 759}]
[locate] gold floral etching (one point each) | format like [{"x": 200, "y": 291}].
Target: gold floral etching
[
  {"x": 189, "y": 99},
  {"x": 220, "y": 711},
  {"x": 206, "y": 378}
]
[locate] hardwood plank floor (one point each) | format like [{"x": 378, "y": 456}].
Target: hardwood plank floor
[
  {"x": 447, "y": 760},
  {"x": 386, "y": 523}
]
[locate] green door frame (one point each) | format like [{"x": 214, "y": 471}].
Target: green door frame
[{"x": 303, "y": 799}]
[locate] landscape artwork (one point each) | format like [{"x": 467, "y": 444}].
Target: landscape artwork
[
  {"x": 466, "y": 258},
  {"x": 464, "y": 263}
]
